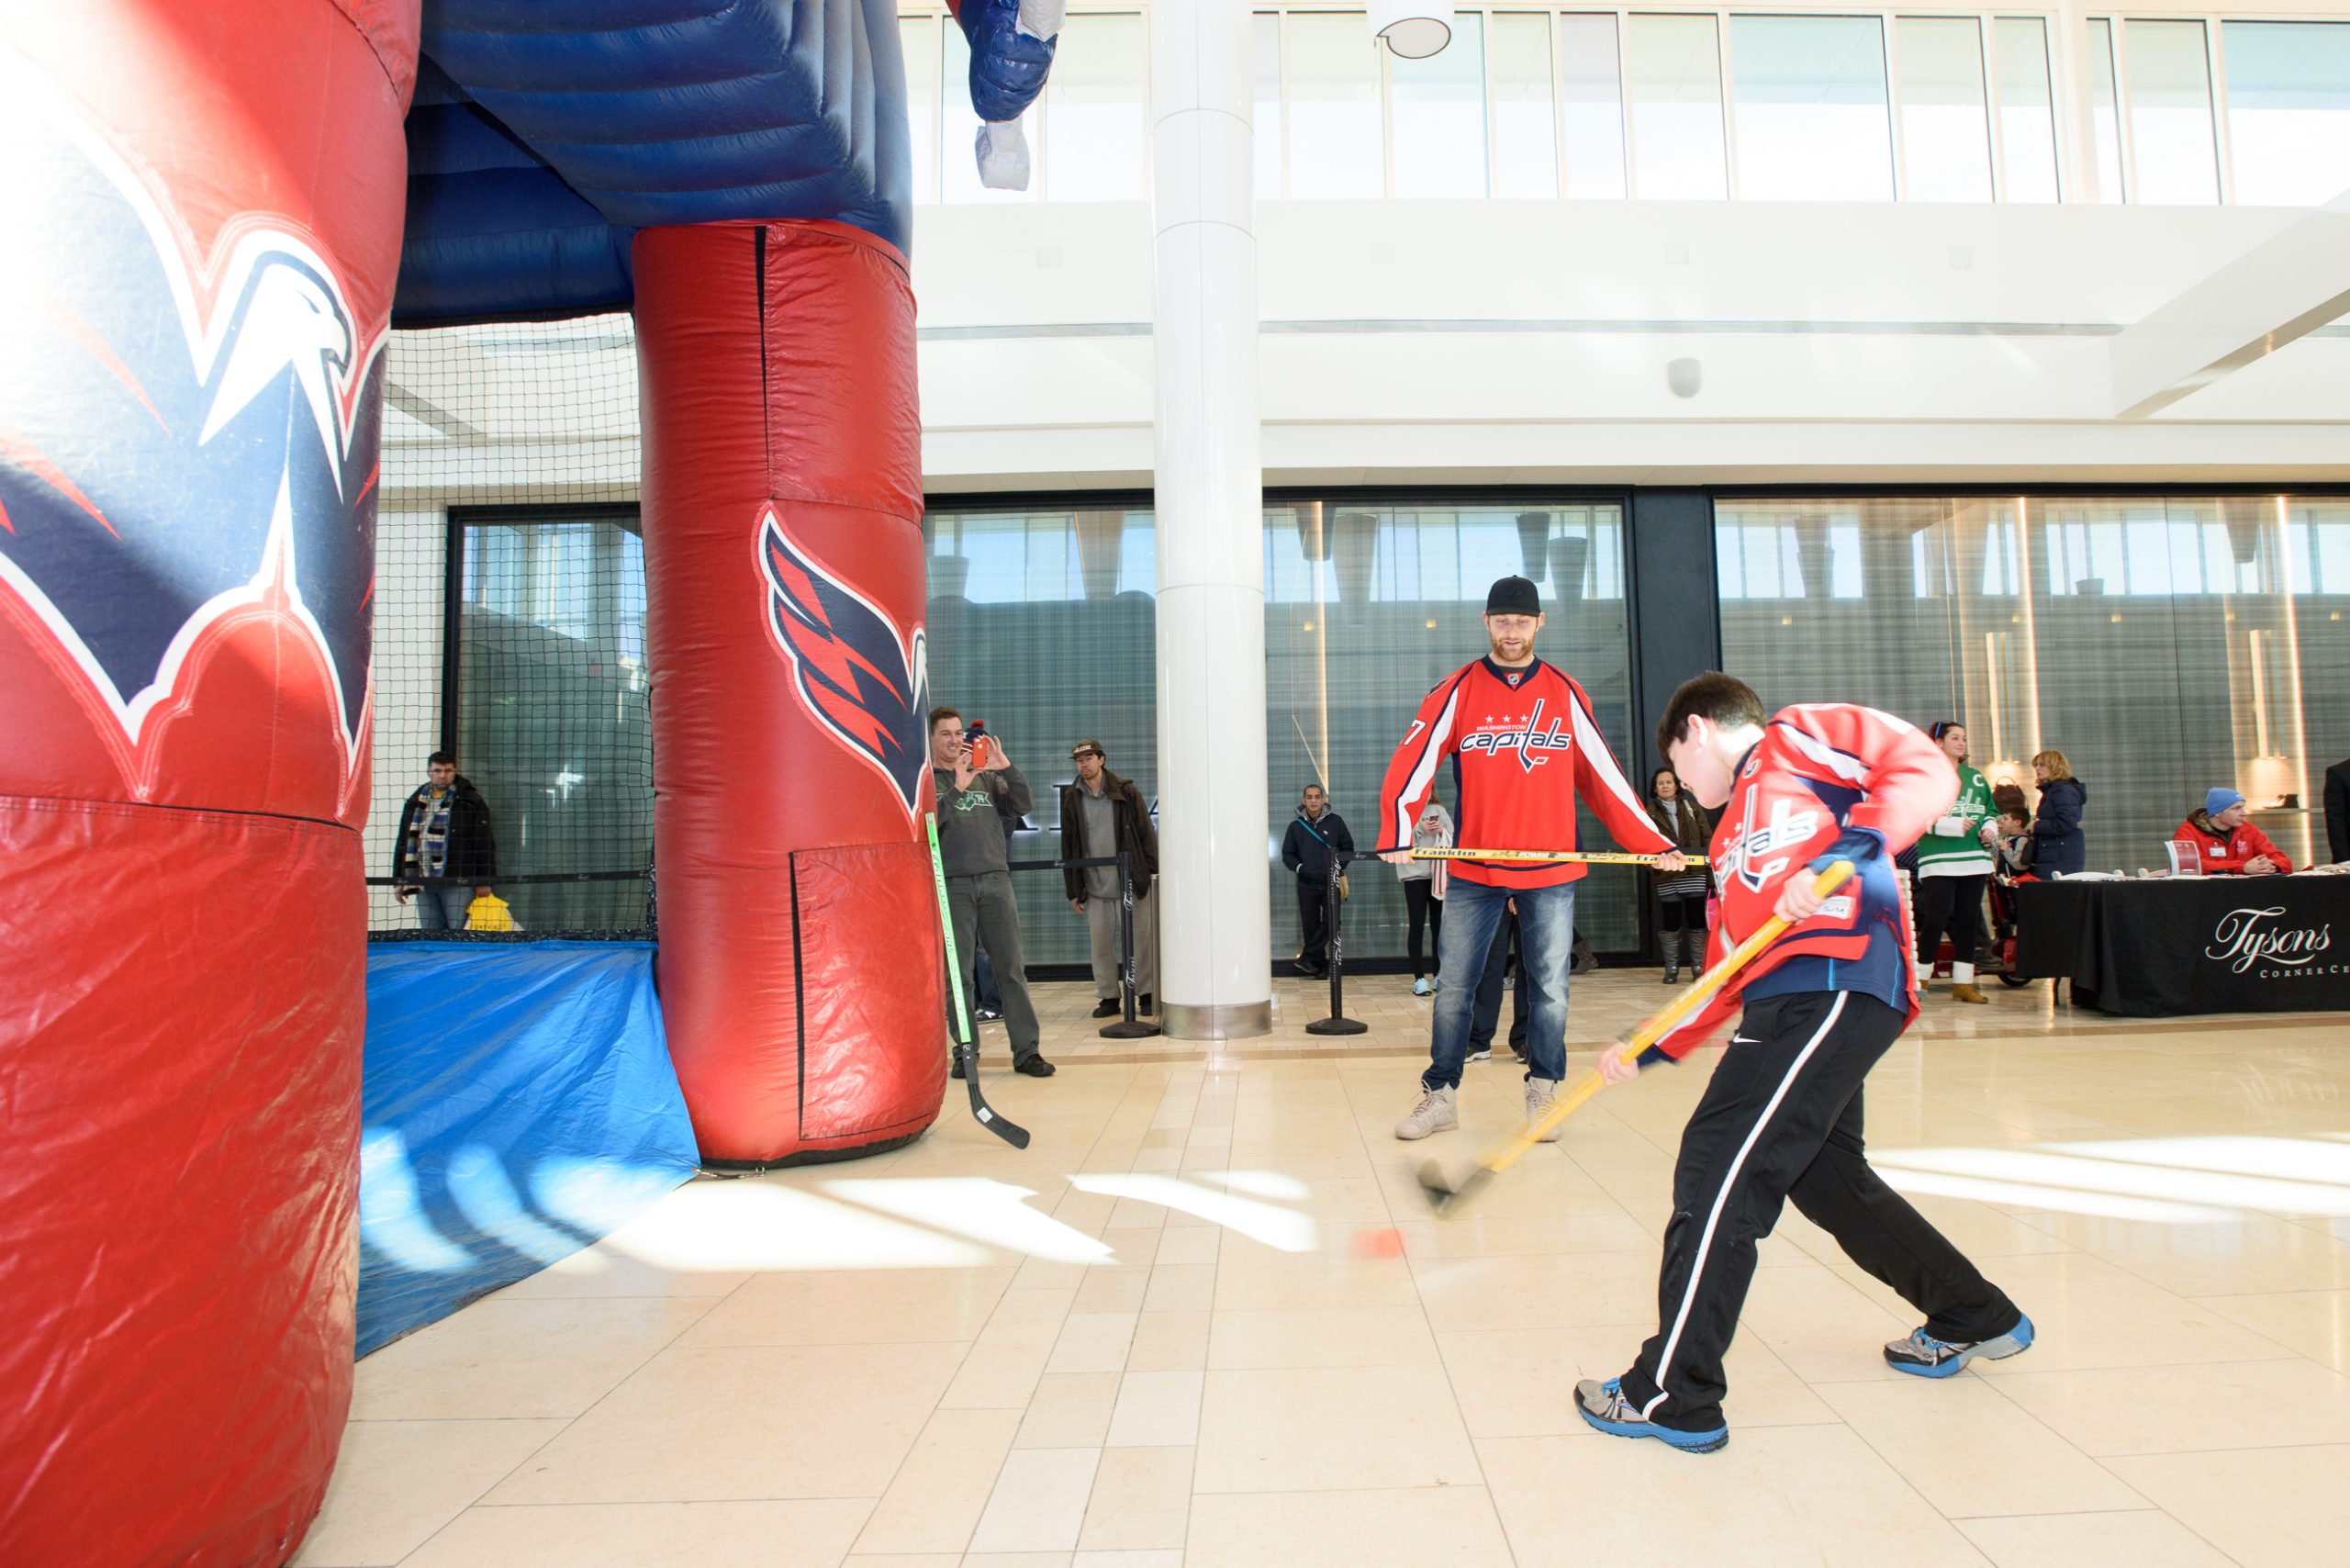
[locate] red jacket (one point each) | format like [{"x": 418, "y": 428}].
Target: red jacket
[
  {"x": 1524, "y": 746},
  {"x": 2225, "y": 852},
  {"x": 1826, "y": 779}
]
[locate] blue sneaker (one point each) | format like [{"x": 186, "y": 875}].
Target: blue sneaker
[
  {"x": 1923, "y": 1355},
  {"x": 1603, "y": 1405}
]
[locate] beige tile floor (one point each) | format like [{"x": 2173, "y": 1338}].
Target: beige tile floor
[{"x": 1207, "y": 1320}]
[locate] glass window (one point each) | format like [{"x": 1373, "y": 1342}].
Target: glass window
[
  {"x": 2164, "y": 644},
  {"x": 2319, "y": 580},
  {"x": 958, "y": 163},
  {"x": 2170, "y": 114},
  {"x": 2321, "y": 547},
  {"x": 1094, "y": 115},
  {"x": 1945, "y": 132},
  {"x": 1526, "y": 127},
  {"x": 2027, "y": 118},
  {"x": 1015, "y": 597},
  {"x": 1810, "y": 108},
  {"x": 1438, "y": 112},
  {"x": 1335, "y": 135},
  {"x": 2289, "y": 111},
  {"x": 1592, "y": 96},
  {"x": 1797, "y": 552},
  {"x": 918, "y": 39},
  {"x": 1674, "y": 69},
  {"x": 2104, "y": 116},
  {"x": 1367, "y": 605},
  {"x": 1269, "y": 141},
  {"x": 553, "y": 724}
]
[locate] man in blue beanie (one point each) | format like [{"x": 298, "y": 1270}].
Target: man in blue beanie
[{"x": 2225, "y": 842}]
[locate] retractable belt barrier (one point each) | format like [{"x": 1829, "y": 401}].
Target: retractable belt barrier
[
  {"x": 1338, "y": 1023},
  {"x": 1128, "y": 1027}
]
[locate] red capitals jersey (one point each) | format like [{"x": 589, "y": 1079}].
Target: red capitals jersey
[
  {"x": 1820, "y": 771},
  {"x": 1523, "y": 745}
]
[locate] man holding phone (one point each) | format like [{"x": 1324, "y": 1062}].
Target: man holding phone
[{"x": 975, "y": 785}]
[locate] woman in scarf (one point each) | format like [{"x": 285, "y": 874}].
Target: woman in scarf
[{"x": 1679, "y": 898}]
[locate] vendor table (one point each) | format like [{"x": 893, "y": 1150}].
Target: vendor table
[{"x": 2152, "y": 947}]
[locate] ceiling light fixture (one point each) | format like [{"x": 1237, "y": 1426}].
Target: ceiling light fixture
[{"x": 1414, "y": 29}]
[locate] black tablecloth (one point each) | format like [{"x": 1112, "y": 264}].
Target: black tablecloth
[{"x": 2146, "y": 950}]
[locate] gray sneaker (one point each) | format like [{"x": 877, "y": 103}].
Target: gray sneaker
[
  {"x": 1604, "y": 1407},
  {"x": 1438, "y": 1112},
  {"x": 1540, "y": 1094},
  {"x": 1923, "y": 1355}
]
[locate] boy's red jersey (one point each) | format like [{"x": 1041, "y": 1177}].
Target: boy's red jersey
[
  {"x": 1523, "y": 745},
  {"x": 1822, "y": 771}
]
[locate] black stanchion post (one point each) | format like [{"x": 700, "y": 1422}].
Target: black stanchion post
[
  {"x": 1129, "y": 1027},
  {"x": 1338, "y": 1023}
]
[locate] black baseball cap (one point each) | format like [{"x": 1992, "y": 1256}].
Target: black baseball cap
[{"x": 1513, "y": 596}]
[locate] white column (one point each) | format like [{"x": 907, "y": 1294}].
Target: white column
[
  {"x": 1215, "y": 927},
  {"x": 2068, "y": 82}
]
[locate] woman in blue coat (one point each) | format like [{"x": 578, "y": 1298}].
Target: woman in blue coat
[{"x": 2057, "y": 842}]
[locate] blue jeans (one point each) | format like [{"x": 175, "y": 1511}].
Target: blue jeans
[
  {"x": 1546, "y": 926},
  {"x": 1485, "y": 1013},
  {"x": 442, "y": 908}
]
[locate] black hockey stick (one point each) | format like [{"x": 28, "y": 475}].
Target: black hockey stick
[{"x": 966, "y": 1046}]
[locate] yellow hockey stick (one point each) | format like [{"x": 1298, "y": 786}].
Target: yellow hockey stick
[
  {"x": 1447, "y": 1194},
  {"x": 1554, "y": 857}
]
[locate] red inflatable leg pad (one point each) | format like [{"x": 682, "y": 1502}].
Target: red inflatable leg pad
[
  {"x": 179, "y": 1129},
  {"x": 865, "y": 1060}
]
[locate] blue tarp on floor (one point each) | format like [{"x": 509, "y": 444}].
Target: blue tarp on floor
[{"x": 518, "y": 1105}]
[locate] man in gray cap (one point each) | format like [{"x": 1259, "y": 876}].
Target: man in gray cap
[{"x": 1525, "y": 747}]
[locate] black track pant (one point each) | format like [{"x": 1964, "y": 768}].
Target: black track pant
[
  {"x": 1782, "y": 1119},
  {"x": 1313, "y": 922},
  {"x": 1953, "y": 904}
]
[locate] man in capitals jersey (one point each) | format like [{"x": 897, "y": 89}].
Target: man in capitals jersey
[
  {"x": 1781, "y": 1117},
  {"x": 1523, "y": 746}
]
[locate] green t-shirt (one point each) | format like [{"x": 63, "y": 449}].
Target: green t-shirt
[{"x": 1960, "y": 854}]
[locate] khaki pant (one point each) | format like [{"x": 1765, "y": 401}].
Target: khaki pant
[
  {"x": 985, "y": 914},
  {"x": 1102, "y": 922}
]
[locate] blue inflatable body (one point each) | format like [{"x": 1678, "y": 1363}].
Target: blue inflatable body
[
  {"x": 1007, "y": 66},
  {"x": 518, "y": 1105},
  {"x": 544, "y": 136}
]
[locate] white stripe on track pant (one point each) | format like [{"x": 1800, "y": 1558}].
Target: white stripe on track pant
[{"x": 1782, "y": 1119}]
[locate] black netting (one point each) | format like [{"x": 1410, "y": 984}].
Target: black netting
[{"x": 510, "y": 620}]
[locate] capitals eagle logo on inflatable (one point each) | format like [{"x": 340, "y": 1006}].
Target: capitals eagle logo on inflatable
[
  {"x": 859, "y": 676},
  {"x": 240, "y": 418}
]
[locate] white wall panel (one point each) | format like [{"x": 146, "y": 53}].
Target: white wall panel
[{"x": 1833, "y": 333}]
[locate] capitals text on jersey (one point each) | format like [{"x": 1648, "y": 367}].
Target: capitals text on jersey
[{"x": 1529, "y": 739}]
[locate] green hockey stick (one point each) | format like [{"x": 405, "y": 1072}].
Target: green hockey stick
[{"x": 967, "y": 1046}]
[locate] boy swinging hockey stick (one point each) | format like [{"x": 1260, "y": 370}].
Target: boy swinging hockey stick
[{"x": 1780, "y": 1117}]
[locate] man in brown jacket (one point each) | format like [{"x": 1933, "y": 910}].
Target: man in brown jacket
[{"x": 1102, "y": 814}]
